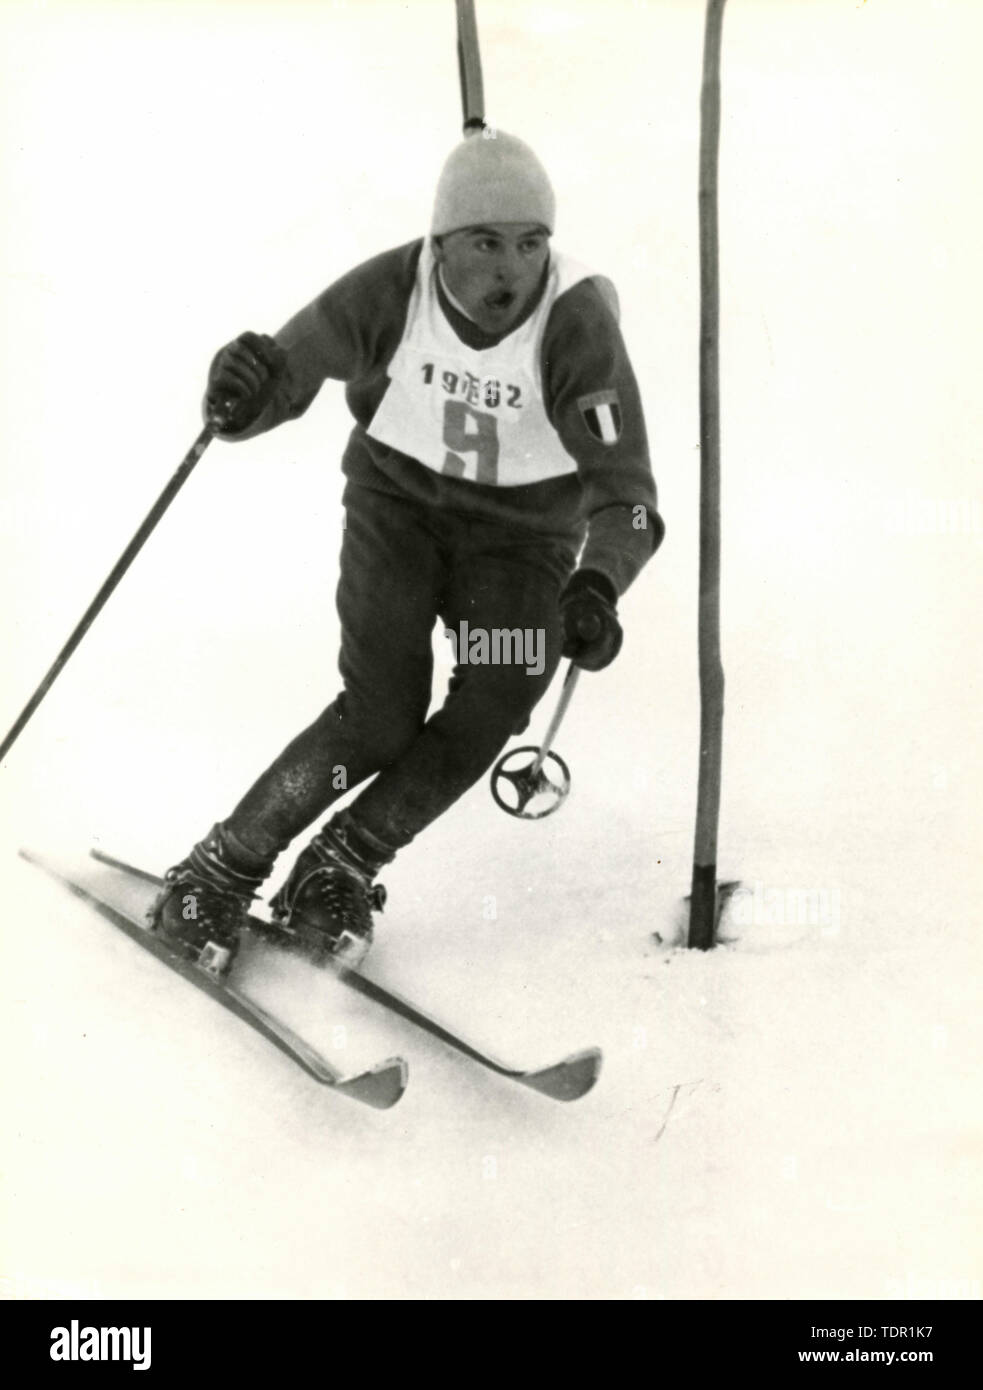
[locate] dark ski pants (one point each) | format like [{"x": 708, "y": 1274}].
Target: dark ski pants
[{"x": 403, "y": 566}]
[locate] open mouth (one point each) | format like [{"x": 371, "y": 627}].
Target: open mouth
[{"x": 500, "y": 300}]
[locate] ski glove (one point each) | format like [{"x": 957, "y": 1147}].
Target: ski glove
[
  {"x": 592, "y": 635},
  {"x": 241, "y": 381}
]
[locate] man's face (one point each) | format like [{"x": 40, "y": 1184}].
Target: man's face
[{"x": 492, "y": 270}]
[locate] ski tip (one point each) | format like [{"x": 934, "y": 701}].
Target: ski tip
[
  {"x": 110, "y": 861},
  {"x": 41, "y": 862},
  {"x": 569, "y": 1079},
  {"x": 381, "y": 1086}
]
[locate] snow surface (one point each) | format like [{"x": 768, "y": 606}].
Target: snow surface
[{"x": 793, "y": 1115}]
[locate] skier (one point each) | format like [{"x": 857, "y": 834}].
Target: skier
[{"x": 498, "y": 433}]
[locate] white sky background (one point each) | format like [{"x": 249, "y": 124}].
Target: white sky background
[{"x": 172, "y": 174}]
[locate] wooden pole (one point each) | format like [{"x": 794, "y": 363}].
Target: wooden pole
[
  {"x": 469, "y": 68},
  {"x": 703, "y": 903}
]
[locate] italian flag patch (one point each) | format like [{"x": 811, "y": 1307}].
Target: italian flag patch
[{"x": 602, "y": 415}]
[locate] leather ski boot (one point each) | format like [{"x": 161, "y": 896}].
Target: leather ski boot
[
  {"x": 326, "y": 905},
  {"x": 204, "y": 903}
]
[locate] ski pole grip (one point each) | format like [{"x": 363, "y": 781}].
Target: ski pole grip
[{"x": 219, "y": 414}]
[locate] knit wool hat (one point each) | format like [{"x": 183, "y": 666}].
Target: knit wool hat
[{"x": 492, "y": 177}]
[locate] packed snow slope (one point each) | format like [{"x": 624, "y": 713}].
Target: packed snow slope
[{"x": 795, "y": 1114}]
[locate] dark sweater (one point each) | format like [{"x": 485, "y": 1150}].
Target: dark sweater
[{"x": 351, "y": 332}]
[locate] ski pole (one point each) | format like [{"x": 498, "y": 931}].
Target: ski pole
[
  {"x": 530, "y": 780},
  {"x": 566, "y": 695},
  {"x": 115, "y": 575}
]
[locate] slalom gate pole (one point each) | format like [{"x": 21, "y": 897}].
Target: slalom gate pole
[
  {"x": 703, "y": 903},
  {"x": 469, "y": 67}
]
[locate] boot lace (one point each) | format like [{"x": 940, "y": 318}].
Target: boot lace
[
  {"x": 219, "y": 911},
  {"x": 345, "y": 895}
]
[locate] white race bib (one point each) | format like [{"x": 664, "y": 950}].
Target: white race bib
[{"x": 473, "y": 413}]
